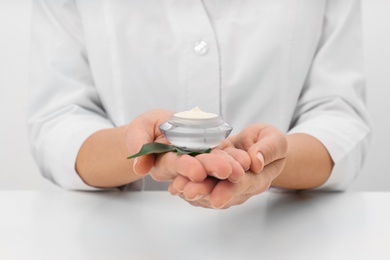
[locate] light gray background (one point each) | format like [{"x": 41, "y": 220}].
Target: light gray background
[{"x": 18, "y": 170}]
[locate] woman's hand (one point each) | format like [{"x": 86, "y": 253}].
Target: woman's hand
[
  {"x": 266, "y": 147},
  {"x": 168, "y": 166},
  {"x": 101, "y": 161},
  {"x": 145, "y": 129}
]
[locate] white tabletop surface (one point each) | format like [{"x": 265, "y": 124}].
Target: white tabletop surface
[{"x": 155, "y": 225}]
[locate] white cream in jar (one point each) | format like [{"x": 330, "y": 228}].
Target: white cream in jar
[
  {"x": 195, "y": 130},
  {"x": 195, "y": 113}
]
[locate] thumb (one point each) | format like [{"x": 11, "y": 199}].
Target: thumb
[
  {"x": 142, "y": 130},
  {"x": 135, "y": 139},
  {"x": 268, "y": 144}
]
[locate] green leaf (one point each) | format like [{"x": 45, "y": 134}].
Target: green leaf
[
  {"x": 153, "y": 148},
  {"x": 180, "y": 151},
  {"x": 156, "y": 148}
]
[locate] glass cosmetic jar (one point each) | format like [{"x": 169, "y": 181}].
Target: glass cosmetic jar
[{"x": 195, "y": 130}]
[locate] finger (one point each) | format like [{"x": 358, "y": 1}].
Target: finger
[
  {"x": 169, "y": 165},
  {"x": 241, "y": 156},
  {"x": 238, "y": 200},
  {"x": 142, "y": 165},
  {"x": 163, "y": 169},
  {"x": 191, "y": 168},
  {"x": 142, "y": 130},
  {"x": 206, "y": 204},
  {"x": 225, "y": 192},
  {"x": 196, "y": 191},
  {"x": 172, "y": 190},
  {"x": 257, "y": 159},
  {"x": 266, "y": 139},
  {"x": 271, "y": 146},
  {"x": 177, "y": 185},
  {"x": 199, "y": 204},
  {"x": 215, "y": 164},
  {"x": 193, "y": 203},
  {"x": 237, "y": 171}
]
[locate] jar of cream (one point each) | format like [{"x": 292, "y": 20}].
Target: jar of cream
[{"x": 195, "y": 130}]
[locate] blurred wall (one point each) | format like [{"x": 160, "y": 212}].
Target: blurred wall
[
  {"x": 376, "y": 15},
  {"x": 18, "y": 170}
]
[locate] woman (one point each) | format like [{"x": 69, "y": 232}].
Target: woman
[{"x": 287, "y": 75}]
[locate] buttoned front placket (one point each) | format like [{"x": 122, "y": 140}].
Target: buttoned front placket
[{"x": 201, "y": 77}]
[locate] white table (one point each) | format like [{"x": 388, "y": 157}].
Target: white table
[{"x": 155, "y": 225}]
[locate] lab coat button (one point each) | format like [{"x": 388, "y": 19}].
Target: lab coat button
[{"x": 201, "y": 48}]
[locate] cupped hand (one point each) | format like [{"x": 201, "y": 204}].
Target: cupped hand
[
  {"x": 218, "y": 164},
  {"x": 168, "y": 166},
  {"x": 266, "y": 147}
]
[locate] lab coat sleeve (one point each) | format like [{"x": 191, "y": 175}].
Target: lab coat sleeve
[
  {"x": 332, "y": 104},
  {"x": 64, "y": 106}
]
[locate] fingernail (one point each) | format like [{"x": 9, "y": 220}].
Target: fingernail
[
  {"x": 217, "y": 207},
  {"x": 198, "y": 197},
  {"x": 260, "y": 156},
  {"x": 218, "y": 176},
  {"x": 179, "y": 190},
  {"x": 215, "y": 175},
  {"x": 134, "y": 165},
  {"x": 175, "y": 193},
  {"x": 234, "y": 180}
]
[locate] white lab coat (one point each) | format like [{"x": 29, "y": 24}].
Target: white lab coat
[{"x": 296, "y": 64}]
